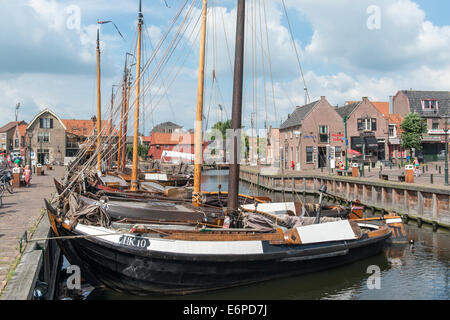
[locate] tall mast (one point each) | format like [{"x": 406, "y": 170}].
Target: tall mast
[
  {"x": 99, "y": 112},
  {"x": 110, "y": 129},
  {"x": 134, "y": 173},
  {"x": 233, "y": 180},
  {"x": 119, "y": 149},
  {"x": 125, "y": 121},
  {"x": 198, "y": 138}
]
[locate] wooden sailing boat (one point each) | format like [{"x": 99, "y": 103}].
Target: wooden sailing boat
[{"x": 179, "y": 258}]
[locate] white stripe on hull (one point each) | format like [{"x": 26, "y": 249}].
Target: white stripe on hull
[{"x": 180, "y": 246}]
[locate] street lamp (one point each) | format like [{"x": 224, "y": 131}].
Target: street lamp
[
  {"x": 17, "y": 110},
  {"x": 30, "y": 135},
  {"x": 346, "y": 143},
  {"x": 446, "y": 149}
]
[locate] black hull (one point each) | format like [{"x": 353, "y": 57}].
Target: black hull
[{"x": 144, "y": 273}]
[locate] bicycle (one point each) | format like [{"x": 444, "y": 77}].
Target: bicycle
[
  {"x": 2, "y": 191},
  {"x": 5, "y": 181}
]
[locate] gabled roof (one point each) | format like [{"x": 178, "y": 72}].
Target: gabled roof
[
  {"x": 166, "y": 124},
  {"x": 381, "y": 106},
  {"x": 347, "y": 109},
  {"x": 41, "y": 113},
  {"x": 11, "y": 125},
  {"x": 299, "y": 114},
  {"x": 415, "y": 102}
]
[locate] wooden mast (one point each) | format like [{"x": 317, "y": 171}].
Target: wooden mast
[
  {"x": 99, "y": 112},
  {"x": 125, "y": 122},
  {"x": 134, "y": 173},
  {"x": 119, "y": 149},
  {"x": 110, "y": 129},
  {"x": 198, "y": 138},
  {"x": 233, "y": 180}
]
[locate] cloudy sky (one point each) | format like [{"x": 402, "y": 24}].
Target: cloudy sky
[{"x": 347, "y": 49}]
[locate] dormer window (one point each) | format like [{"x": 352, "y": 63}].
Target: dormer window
[{"x": 429, "y": 104}]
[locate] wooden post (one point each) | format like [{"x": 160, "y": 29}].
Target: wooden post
[
  {"x": 134, "y": 172},
  {"x": 198, "y": 137}
]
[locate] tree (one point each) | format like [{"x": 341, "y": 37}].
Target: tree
[
  {"x": 222, "y": 127},
  {"x": 413, "y": 127}
]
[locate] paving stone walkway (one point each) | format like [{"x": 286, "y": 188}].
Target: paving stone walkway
[{"x": 21, "y": 211}]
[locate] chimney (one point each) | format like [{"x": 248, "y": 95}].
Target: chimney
[
  {"x": 391, "y": 104},
  {"x": 365, "y": 99},
  {"x": 322, "y": 98}
]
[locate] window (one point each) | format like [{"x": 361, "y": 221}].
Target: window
[
  {"x": 16, "y": 143},
  {"x": 367, "y": 124},
  {"x": 392, "y": 131},
  {"x": 435, "y": 125},
  {"x": 338, "y": 152},
  {"x": 43, "y": 137},
  {"x": 429, "y": 104},
  {"x": 374, "y": 124},
  {"x": 3, "y": 135},
  {"x": 323, "y": 134},
  {"x": 309, "y": 154},
  {"x": 46, "y": 123}
]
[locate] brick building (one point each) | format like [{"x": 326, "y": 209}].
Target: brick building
[
  {"x": 12, "y": 138},
  {"x": 433, "y": 107},
  {"x": 57, "y": 140},
  {"x": 311, "y": 137},
  {"x": 367, "y": 129}
]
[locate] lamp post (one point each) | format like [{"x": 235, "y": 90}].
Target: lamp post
[
  {"x": 346, "y": 143},
  {"x": 30, "y": 135},
  {"x": 446, "y": 150}
]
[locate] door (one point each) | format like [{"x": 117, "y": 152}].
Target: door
[
  {"x": 381, "y": 151},
  {"x": 322, "y": 157}
]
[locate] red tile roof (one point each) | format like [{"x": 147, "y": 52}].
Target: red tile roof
[
  {"x": 11, "y": 125},
  {"x": 395, "y": 119},
  {"x": 86, "y": 127},
  {"x": 23, "y": 129},
  {"x": 171, "y": 138},
  {"x": 381, "y": 106}
]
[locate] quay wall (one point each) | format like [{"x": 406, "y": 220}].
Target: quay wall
[{"x": 425, "y": 204}]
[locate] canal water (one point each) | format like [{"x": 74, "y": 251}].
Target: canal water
[{"x": 418, "y": 271}]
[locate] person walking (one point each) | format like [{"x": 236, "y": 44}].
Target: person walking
[
  {"x": 27, "y": 174},
  {"x": 416, "y": 167}
]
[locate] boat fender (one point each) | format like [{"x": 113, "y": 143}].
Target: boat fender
[{"x": 136, "y": 228}]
